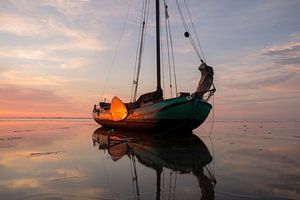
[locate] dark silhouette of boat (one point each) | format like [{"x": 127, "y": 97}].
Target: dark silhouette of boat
[{"x": 186, "y": 154}]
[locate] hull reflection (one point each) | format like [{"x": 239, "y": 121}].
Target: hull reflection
[{"x": 183, "y": 155}]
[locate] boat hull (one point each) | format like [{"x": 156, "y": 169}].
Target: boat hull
[{"x": 177, "y": 113}]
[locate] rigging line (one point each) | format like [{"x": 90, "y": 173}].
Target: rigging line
[
  {"x": 117, "y": 48},
  {"x": 132, "y": 175},
  {"x": 168, "y": 48},
  {"x": 169, "y": 34},
  {"x": 163, "y": 184},
  {"x": 210, "y": 173},
  {"x": 214, "y": 160},
  {"x": 137, "y": 51},
  {"x": 170, "y": 184},
  {"x": 213, "y": 117},
  {"x": 143, "y": 35},
  {"x": 173, "y": 58},
  {"x": 175, "y": 183},
  {"x": 187, "y": 29},
  {"x": 139, "y": 64},
  {"x": 107, "y": 177},
  {"x": 133, "y": 189},
  {"x": 140, "y": 41},
  {"x": 212, "y": 144},
  {"x": 136, "y": 179},
  {"x": 182, "y": 17},
  {"x": 162, "y": 63},
  {"x": 162, "y": 68},
  {"x": 195, "y": 47},
  {"x": 163, "y": 73},
  {"x": 194, "y": 29}
]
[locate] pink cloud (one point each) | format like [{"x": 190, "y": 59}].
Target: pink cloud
[{"x": 27, "y": 101}]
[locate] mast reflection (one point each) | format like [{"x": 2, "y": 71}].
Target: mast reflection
[{"x": 180, "y": 154}]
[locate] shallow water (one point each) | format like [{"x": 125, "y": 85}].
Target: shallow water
[{"x": 73, "y": 159}]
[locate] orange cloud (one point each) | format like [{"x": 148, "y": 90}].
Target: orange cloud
[{"x": 23, "y": 183}]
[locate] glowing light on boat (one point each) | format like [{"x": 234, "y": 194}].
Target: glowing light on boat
[{"x": 118, "y": 110}]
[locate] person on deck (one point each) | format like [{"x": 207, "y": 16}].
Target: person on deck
[{"x": 206, "y": 81}]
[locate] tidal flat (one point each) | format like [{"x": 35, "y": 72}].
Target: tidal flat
[{"x": 75, "y": 159}]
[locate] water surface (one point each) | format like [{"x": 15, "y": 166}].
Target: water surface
[{"x": 74, "y": 159}]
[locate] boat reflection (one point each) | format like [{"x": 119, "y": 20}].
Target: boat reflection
[{"x": 182, "y": 155}]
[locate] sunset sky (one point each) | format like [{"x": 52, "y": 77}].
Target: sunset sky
[{"x": 56, "y": 55}]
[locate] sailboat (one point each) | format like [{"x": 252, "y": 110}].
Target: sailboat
[
  {"x": 151, "y": 110},
  {"x": 182, "y": 155}
]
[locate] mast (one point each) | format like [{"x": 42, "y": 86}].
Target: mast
[
  {"x": 158, "y": 181},
  {"x": 158, "y": 88}
]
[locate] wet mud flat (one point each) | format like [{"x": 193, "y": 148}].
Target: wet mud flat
[{"x": 74, "y": 159}]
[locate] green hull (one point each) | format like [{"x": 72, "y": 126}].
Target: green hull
[{"x": 176, "y": 113}]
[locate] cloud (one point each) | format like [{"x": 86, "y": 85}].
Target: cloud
[
  {"x": 3, "y": 68},
  {"x": 254, "y": 83},
  {"x": 290, "y": 48},
  {"x": 21, "y": 25},
  {"x": 26, "y": 53},
  {"x": 23, "y": 95},
  {"x": 246, "y": 99},
  {"x": 24, "y": 101},
  {"x": 49, "y": 27},
  {"x": 76, "y": 64},
  {"x": 285, "y": 54},
  {"x": 18, "y": 78},
  {"x": 78, "y": 41},
  {"x": 23, "y": 183},
  {"x": 263, "y": 68},
  {"x": 264, "y": 82},
  {"x": 70, "y": 8},
  {"x": 67, "y": 173},
  {"x": 295, "y": 36}
]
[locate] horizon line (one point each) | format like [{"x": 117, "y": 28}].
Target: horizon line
[
  {"x": 209, "y": 121},
  {"x": 1, "y": 117}
]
